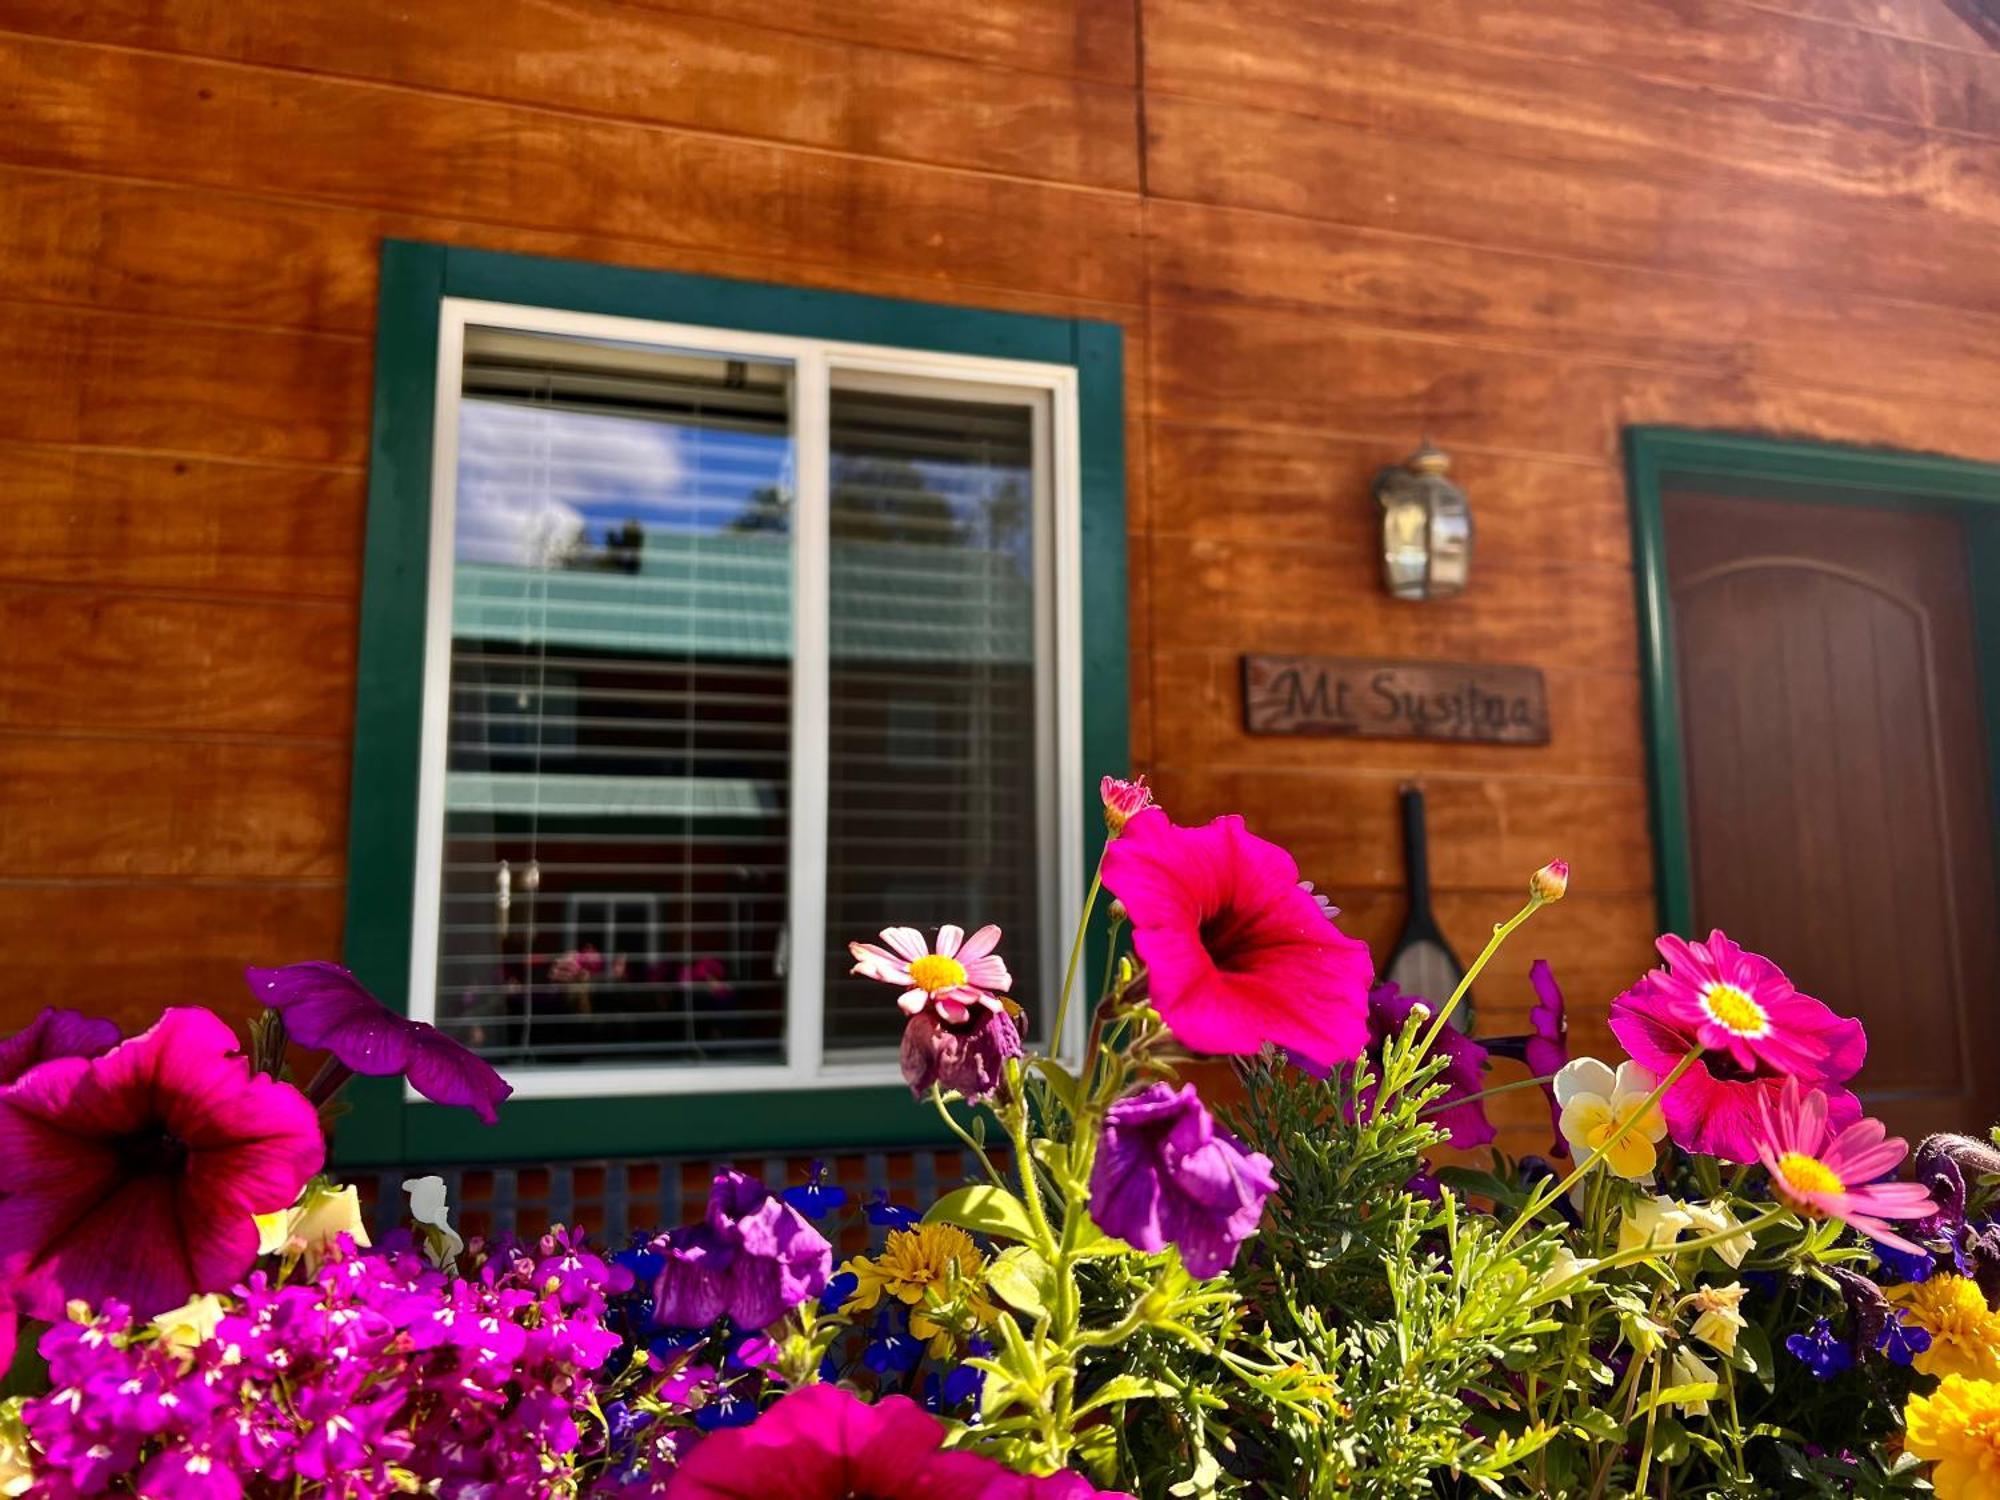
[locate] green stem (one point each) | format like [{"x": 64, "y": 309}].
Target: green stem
[
  {"x": 944, "y": 1111},
  {"x": 1024, "y": 1166},
  {"x": 1650, "y": 1251},
  {"x": 1652, "y": 1416},
  {"x": 1075, "y": 956},
  {"x": 1543, "y": 1199},
  {"x": 1500, "y": 935},
  {"x": 1502, "y": 1088}
]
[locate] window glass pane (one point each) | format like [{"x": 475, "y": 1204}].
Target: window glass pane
[
  {"x": 618, "y": 773},
  {"x": 935, "y": 791}
]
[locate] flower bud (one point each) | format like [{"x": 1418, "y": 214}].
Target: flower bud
[
  {"x": 1123, "y": 801},
  {"x": 1550, "y": 881}
]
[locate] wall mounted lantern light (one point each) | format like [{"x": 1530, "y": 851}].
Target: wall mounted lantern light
[{"x": 1426, "y": 527}]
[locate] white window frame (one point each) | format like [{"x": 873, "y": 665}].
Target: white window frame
[{"x": 816, "y": 363}]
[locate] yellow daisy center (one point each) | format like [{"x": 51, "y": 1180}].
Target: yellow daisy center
[
  {"x": 1735, "y": 1011},
  {"x": 1808, "y": 1174},
  {"x": 934, "y": 972}
]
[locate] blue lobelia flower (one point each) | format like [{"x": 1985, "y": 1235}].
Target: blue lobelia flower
[
  {"x": 1901, "y": 1265},
  {"x": 891, "y": 1350},
  {"x": 1902, "y": 1340},
  {"x": 818, "y": 1197},
  {"x": 727, "y": 1410},
  {"x": 885, "y": 1215},
  {"x": 838, "y": 1290},
  {"x": 1821, "y": 1350}
]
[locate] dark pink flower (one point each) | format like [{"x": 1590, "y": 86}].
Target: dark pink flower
[
  {"x": 55, "y": 1033},
  {"x": 1754, "y": 1030},
  {"x": 1236, "y": 954},
  {"x": 1123, "y": 801},
  {"x": 326, "y": 1008},
  {"x": 136, "y": 1174},
  {"x": 1166, "y": 1174},
  {"x": 822, "y": 1443}
]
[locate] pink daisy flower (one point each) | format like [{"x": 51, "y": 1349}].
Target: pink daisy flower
[
  {"x": 1236, "y": 953},
  {"x": 1754, "y": 1030},
  {"x": 1827, "y": 1173},
  {"x": 951, "y": 975}
]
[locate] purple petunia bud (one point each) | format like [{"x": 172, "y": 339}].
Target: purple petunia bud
[
  {"x": 968, "y": 1057},
  {"x": 1167, "y": 1175}
]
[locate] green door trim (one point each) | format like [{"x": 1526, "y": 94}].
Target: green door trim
[
  {"x": 384, "y": 1128},
  {"x": 1775, "y": 469}
]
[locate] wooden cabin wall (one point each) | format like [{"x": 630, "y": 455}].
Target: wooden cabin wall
[{"x": 1328, "y": 227}]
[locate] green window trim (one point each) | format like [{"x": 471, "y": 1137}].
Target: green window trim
[
  {"x": 385, "y": 1128},
  {"x": 1657, "y": 459}
]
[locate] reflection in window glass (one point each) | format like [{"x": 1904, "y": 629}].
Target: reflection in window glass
[
  {"x": 934, "y": 789},
  {"x": 618, "y": 775}
]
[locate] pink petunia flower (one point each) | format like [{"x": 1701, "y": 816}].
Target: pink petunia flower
[
  {"x": 1824, "y": 1172},
  {"x": 952, "y": 975},
  {"x": 1754, "y": 1030},
  {"x": 136, "y": 1174},
  {"x": 1236, "y": 954},
  {"x": 823, "y": 1443}
]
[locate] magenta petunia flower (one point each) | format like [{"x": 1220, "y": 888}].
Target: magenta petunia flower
[
  {"x": 823, "y": 1443},
  {"x": 1167, "y": 1174},
  {"x": 1458, "y": 1114},
  {"x": 135, "y": 1174},
  {"x": 326, "y": 1008},
  {"x": 1236, "y": 954},
  {"x": 751, "y": 1258},
  {"x": 1824, "y": 1172},
  {"x": 951, "y": 976},
  {"x": 55, "y": 1033},
  {"x": 1754, "y": 1030}
]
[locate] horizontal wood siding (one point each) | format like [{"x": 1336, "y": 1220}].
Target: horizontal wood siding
[{"x": 1327, "y": 228}]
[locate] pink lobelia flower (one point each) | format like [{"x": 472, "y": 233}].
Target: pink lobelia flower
[
  {"x": 136, "y": 1174},
  {"x": 1236, "y": 953},
  {"x": 1754, "y": 1030},
  {"x": 823, "y": 1443},
  {"x": 952, "y": 975},
  {"x": 1824, "y": 1172},
  {"x": 326, "y": 1008},
  {"x": 54, "y": 1033}
]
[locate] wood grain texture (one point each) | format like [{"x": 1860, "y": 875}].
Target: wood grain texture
[
  {"x": 655, "y": 66},
  {"x": 112, "y": 520},
  {"x": 333, "y": 140}
]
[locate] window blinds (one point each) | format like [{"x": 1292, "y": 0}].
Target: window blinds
[{"x": 619, "y": 767}]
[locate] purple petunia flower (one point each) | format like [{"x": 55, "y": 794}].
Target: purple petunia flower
[
  {"x": 1167, "y": 1175},
  {"x": 1544, "y": 1049},
  {"x": 753, "y": 1257},
  {"x": 55, "y": 1033},
  {"x": 326, "y": 1008},
  {"x": 1460, "y": 1116},
  {"x": 967, "y": 1057}
]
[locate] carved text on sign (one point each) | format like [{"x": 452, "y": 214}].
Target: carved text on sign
[{"x": 1423, "y": 700}]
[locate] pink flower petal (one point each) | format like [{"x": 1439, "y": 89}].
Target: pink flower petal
[
  {"x": 907, "y": 941},
  {"x": 981, "y": 943},
  {"x": 948, "y": 939}
]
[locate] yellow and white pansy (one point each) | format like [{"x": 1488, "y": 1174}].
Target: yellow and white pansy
[
  {"x": 1600, "y": 1106},
  {"x": 186, "y": 1328},
  {"x": 309, "y": 1227},
  {"x": 1718, "y": 1316},
  {"x": 1714, "y": 1217},
  {"x": 1656, "y": 1222}
]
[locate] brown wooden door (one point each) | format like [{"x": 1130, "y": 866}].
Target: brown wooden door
[{"x": 1838, "y": 797}]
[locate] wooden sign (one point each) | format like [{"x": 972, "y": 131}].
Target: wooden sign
[{"x": 1421, "y": 700}]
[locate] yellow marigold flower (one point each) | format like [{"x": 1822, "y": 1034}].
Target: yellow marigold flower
[
  {"x": 1965, "y": 1333},
  {"x": 933, "y": 1269},
  {"x": 1957, "y": 1427}
]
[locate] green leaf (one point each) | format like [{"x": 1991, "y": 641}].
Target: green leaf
[
  {"x": 1599, "y": 1425},
  {"x": 984, "y": 1209},
  {"x": 1674, "y": 1395},
  {"x": 1125, "y": 1388},
  {"x": 1060, "y": 1082},
  {"x": 1753, "y": 1355},
  {"x": 1019, "y": 1277}
]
